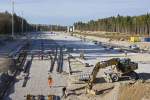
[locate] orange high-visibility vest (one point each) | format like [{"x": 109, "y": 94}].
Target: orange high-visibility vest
[{"x": 50, "y": 81}]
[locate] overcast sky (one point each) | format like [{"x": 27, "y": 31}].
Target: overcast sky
[{"x": 66, "y": 12}]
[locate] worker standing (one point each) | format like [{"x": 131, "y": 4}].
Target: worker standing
[
  {"x": 126, "y": 53},
  {"x": 64, "y": 93},
  {"x": 50, "y": 81}
]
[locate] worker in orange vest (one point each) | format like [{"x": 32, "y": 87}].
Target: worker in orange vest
[{"x": 50, "y": 81}]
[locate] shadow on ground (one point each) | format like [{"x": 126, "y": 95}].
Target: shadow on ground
[{"x": 144, "y": 76}]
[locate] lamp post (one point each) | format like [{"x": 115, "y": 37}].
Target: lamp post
[
  {"x": 12, "y": 1},
  {"x": 22, "y": 22}
]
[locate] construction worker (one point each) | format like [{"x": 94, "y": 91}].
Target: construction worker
[
  {"x": 50, "y": 81},
  {"x": 64, "y": 93},
  {"x": 39, "y": 55},
  {"x": 126, "y": 53}
]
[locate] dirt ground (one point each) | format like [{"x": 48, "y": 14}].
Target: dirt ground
[
  {"x": 121, "y": 90},
  {"x": 137, "y": 91},
  {"x": 124, "y": 90}
]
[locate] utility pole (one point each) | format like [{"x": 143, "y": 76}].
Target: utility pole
[
  {"x": 22, "y": 22},
  {"x": 36, "y": 27},
  {"x": 12, "y": 1},
  {"x": 51, "y": 28},
  {"x": 26, "y": 27}
]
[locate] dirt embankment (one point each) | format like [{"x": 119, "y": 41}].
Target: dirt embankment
[
  {"x": 110, "y": 35},
  {"x": 137, "y": 91},
  {"x": 121, "y": 39}
]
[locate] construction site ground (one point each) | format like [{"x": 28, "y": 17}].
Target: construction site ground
[{"x": 37, "y": 83}]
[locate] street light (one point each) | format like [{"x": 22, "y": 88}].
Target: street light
[
  {"x": 12, "y": 1},
  {"x": 22, "y": 22}
]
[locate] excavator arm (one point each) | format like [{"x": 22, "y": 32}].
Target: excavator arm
[{"x": 98, "y": 66}]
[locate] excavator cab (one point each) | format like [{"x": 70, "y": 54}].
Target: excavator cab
[
  {"x": 125, "y": 65},
  {"x": 123, "y": 68}
]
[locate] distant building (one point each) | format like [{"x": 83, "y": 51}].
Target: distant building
[{"x": 70, "y": 29}]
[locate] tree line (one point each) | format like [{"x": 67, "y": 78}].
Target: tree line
[
  {"x": 6, "y": 25},
  {"x": 120, "y": 24},
  {"x": 41, "y": 27}
]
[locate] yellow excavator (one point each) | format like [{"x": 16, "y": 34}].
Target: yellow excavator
[{"x": 118, "y": 68}]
